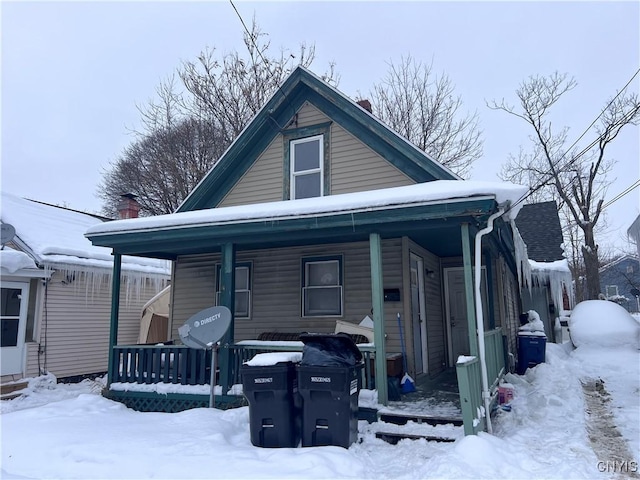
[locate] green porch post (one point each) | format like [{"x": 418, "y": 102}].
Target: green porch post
[
  {"x": 115, "y": 311},
  {"x": 227, "y": 299},
  {"x": 468, "y": 289},
  {"x": 377, "y": 302}
]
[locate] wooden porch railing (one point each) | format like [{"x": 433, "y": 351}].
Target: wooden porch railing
[
  {"x": 179, "y": 364},
  {"x": 470, "y": 382}
]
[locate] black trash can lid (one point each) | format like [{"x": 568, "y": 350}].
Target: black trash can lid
[{"x": 338, "y": 342}]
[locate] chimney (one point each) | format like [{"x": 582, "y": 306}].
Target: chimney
[
  {"x": 128, "y": 206},
  {"x": 366, "y": 104}
]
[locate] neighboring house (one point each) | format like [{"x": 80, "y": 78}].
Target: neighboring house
[
  {"x": 620, "y": 282},
  {"x": 56, "y": 292},
  {"x": 634, "y": 233},
  {"x": 318, "y": 212},
  {"x": 550, "y": 288}
]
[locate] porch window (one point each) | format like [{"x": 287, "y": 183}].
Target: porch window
[
  {"x": 307, "y": 167},
  {"x": 611, "y": 291},
  {"x": 322, "y": 287},
  {"x": 242, "y": 290}
]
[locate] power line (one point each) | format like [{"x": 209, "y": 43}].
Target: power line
[
  {"x": 586, "y": 149},
  {"x": 621, "y": 194}
]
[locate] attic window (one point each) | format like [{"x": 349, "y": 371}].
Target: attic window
[
  {"x": 306, "y": 162},
  {"x": 306, "y": 167}
]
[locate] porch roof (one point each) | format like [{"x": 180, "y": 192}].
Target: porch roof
[{"x": 430, "y": 213}]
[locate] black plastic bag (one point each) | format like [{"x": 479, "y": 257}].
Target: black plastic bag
[{"x": 329, "y": 350}]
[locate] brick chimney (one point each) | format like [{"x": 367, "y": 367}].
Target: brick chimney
[
  {"x": 128, "y": 206},
  {"x": 366, "y": 104}
]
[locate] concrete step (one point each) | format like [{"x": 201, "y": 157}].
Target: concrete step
[
  {"x": 394, "y": 437},
  {"x": 402, "y": 418}
]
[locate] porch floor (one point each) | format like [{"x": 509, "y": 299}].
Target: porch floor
[{"x": 436, "y": 397}]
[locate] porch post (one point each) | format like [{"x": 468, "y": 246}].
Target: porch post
[
  {"x": 468, "y": 290},
  {"x": 377, "y": 302},
  {"x": 227, "y": 299},
  {"x": 115, "y": 311}
]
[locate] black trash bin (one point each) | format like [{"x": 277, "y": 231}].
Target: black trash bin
[
  {"x": 329, "y": 380},
  {"x": 531, "y": 350},
  {"x": 274, "y": 404}
]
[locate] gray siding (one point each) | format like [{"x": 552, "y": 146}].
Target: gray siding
[
  {"x": 77, "y": 326},
  {"x": 354, "y": 166},
  {"x": 276, "y": 288}
]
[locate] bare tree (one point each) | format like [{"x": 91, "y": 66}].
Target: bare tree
[
  {"x": 190, "y": 123},
  {"x": 422, "y": 107},
  {"x": 577, "y": 176}
]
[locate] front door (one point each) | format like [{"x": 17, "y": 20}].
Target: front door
[
  {"x": 418, "y": 317},
  {"x": 456, "y": 305},
  {"x": 13, "y": 321}
]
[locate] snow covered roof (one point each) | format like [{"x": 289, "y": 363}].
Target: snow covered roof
[
  {"x": 615, "y": 262},
  {"x": 54, "y": 237},
  {"x": 436, "y": 192}
]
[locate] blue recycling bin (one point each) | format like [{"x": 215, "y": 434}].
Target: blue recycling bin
[{"x": 531, "y": 350}]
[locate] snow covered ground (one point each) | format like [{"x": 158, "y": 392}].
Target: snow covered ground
[{"x": 70, "y": 431}]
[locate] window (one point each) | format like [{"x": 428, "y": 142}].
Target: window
[
  {"x": 611, "y": 291},
  {"x": 242, "y": 290},
  {"x": 306, "y": 161},
  {"x": 306, "y": 167},
  {"x": 322, "y": 287},
  {"x": 629, "y": 268}
]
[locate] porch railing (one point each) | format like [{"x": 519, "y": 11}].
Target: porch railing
[
  {"x": 470, "y": 382},
  {"x": 179, "y": 364}
]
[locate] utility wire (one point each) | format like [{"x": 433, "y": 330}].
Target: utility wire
[
  {"x": 621, "y": 194},
  {"x": 584, "y": 151},
  {"x": 266, "y": 62}
]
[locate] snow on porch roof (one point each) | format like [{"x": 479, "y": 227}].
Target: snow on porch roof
[
  {"x": 54, "y": 236},
  {"x": 440, "y": 191}
]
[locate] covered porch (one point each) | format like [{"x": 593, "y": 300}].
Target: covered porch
[{"x": 175, "y": 377}]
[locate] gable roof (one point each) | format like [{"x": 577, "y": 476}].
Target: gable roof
[
  {"x": 624, "y": 258},
  {"x": 539, "y": 226},
  {"x": 303, "y": 86},
  {"x": 54, "y": 237}
]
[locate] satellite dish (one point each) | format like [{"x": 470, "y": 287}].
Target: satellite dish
[
  {"x": 7, "y": 232},
  {"x": 206, "y": 327}
]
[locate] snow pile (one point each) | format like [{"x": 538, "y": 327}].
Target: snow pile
[
  {"x": 544, "y": 436},
  {"x": 534, "y": 323},
  {"x": 601, "y": 323},
  {"x": 11, "y": 260},
  {"x": 269, "y": 359}
]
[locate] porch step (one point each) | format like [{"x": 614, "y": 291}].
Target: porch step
[
  {"x": 393, "y": 438},
  {"x": 11, "y": 390},
  {"x": 401, "y": 418}
]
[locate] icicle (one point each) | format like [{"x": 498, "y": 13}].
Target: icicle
[
  {"x": 522, "y": 258},
  {"x": 556, "y": 275}
]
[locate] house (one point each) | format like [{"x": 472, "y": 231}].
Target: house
[
  {"x": 634, "y": 233},
  {"x": 56, "y": 292},
  {"x": 620, "y": 282},
  {"x": 319, "y": 213},
  {"x": 550, "y": 289}
]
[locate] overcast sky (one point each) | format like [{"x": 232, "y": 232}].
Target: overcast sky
[{"x": 73, "y": 73}]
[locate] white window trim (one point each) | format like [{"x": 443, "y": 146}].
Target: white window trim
[
  {"x": 306, "y": 288},
  {"x": 248, "y": 266},
  {"x": 292, "y": 168}
]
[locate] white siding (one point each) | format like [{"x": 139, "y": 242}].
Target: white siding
[{"x": 74, "y": 326}]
